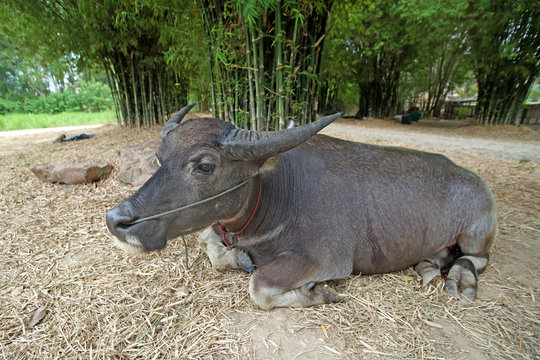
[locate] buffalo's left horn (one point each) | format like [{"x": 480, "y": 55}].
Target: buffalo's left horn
[
  {"x": 175, "y": 120},
  {"x": 248, "y": 144}
]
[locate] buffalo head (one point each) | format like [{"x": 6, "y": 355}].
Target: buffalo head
[{"x": 199, "y": 158}]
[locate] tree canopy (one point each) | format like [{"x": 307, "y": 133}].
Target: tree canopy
[
  {"x": 262, "y": 63},
  {"x": 132, "y": 42}
]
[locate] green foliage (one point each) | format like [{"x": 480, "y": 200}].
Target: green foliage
[
  {"x": 131, "y": 40},
  {"x": 87, "y": 96},
  {"x": 443, "y": 62},
  {"x": 370, "y": 45},
  {"x": 259, "y": 63},
  {"x": 401, "y": 52},
  {"x": 16, "y": 121},
  {"x": 505, "y": 50},
  {"x": 534, "y": 94}
]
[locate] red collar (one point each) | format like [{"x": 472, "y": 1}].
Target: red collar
[{"x": 224, "y": 230}]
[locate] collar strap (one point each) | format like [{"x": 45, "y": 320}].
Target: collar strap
[{"x": 223, "y": 229}]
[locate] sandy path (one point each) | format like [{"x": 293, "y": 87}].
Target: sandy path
[
  {"x": 505, "y": 149},
  {"x": 14, "y": 133}
]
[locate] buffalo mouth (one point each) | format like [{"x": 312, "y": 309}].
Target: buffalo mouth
[{"x": 135, "y": 238}]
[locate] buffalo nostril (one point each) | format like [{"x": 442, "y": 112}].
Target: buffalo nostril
[{"x": 118, "y": 219}]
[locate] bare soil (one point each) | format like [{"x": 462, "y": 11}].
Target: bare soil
[{"x": 65, "y": 292}]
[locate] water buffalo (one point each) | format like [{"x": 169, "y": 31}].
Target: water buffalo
[{"x": 308, "y": 208}]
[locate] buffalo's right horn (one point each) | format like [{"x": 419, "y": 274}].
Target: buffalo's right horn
[
  {"x": 248, "y": 144},
  {"x": 175, "y": 120}
]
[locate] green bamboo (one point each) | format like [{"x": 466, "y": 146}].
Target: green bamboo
[
  {"x": 261, "y": 97},
  {"x": 290, "y": 75},
  {"x": 151, "y": 100},
  {"x": 167, "y": 95},
  {"x": 250, "y": 79},
  {"x": 163, "y": 111},
  {"x": 134, "y": 88},
  {"x": 143, "y": 100},
  {"x": 279, "y": 64},
  {"x": 314, "y": 84},
  {"x": 207, "y": 30},
  {"x": 159, "y": 111},
  {"x": 259, "y": 102},
  {"x": 271, "y": 99},
  {"x": 114, "y": 91},
  {"x": 129, "y": 120}
]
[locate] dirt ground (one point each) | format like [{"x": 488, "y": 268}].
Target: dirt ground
[{"x": 66, "y": 292}]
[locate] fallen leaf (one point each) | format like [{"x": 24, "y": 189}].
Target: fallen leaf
[
  {"x": 324, "y": 331},
  {"x": 36, "y": 316},
  {"x": 433, "y": 324},
  {"x": 17, "y": 291},
  {"x": 182, "y": 291}
]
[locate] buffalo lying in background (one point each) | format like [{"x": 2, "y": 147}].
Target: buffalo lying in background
[{"x": 308, "y": 208}]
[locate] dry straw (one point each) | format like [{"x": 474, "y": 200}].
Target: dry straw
[{"x": 66, "y": 292}]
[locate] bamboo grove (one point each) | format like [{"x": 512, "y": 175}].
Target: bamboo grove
[
  {"x": 264, "y": 60},
  {"x": 146, "y": 90}
]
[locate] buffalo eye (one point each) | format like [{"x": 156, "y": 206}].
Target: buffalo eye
[{"x": 205, "y": 168}]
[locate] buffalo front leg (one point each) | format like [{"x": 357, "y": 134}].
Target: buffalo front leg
[
  {"x": 220, "y": 256},
  {"x": 289, "y": 281}
]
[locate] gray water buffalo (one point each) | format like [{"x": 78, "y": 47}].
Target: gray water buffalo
[{"x": 299, "y": 209}]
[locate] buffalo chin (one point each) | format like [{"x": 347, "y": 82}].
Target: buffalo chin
[
  {"x": 133, "y": 245},
  {"x": 129, "y": 247}
]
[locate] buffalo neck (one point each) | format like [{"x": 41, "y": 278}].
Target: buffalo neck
[
  {"x": 248, "y": 210},
  {"x": 280, "y": 193}
]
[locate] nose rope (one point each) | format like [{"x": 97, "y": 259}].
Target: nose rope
[{"x": 190, "y": 205}]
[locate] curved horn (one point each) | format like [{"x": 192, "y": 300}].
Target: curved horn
[
  {"x": 247, "y": 145},
  {"x": 175, "y": 120}
]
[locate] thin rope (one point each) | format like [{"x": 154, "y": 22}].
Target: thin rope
[{"x": 188, "y": 206}]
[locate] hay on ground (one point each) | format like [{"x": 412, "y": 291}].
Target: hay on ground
[{"x": 66, "y": 292}]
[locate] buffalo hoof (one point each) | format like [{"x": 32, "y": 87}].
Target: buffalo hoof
[
  {"x": 244, "y": 261},
  {"x": 462, "y": 276},
  {"x": 329, "y": 295},
  {"x": 428, "y": 275}
]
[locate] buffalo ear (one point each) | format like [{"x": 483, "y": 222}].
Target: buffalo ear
[
  {"x": 242, "y": 144},
  {"x": 175, "y": 120}
]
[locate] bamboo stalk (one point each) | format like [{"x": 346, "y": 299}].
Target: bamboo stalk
[
  {"x": 290, "y": 76},
  {"x": 134, "y": 87},
  {"x": 126, "y": 96},
  {"x": 143, "y": 100},
  {"x": 261, "y": 97},
  {"x": 250, "y": 80},
  {"x": 151, "y": 99},
  {"x": 257, "y": 79},
  {"x": 279, "y": 64},
  {"x": 166, "y": 94},
  {"x": 161, "y": 98},
  {"x": 114, "y": 92},
  {"x": 271, "y": 99}
]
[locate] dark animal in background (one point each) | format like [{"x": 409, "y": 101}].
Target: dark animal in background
[{"x": 308, "y": 208}]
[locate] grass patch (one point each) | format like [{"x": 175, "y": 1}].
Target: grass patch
[{"x": 38, "y": 121}]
